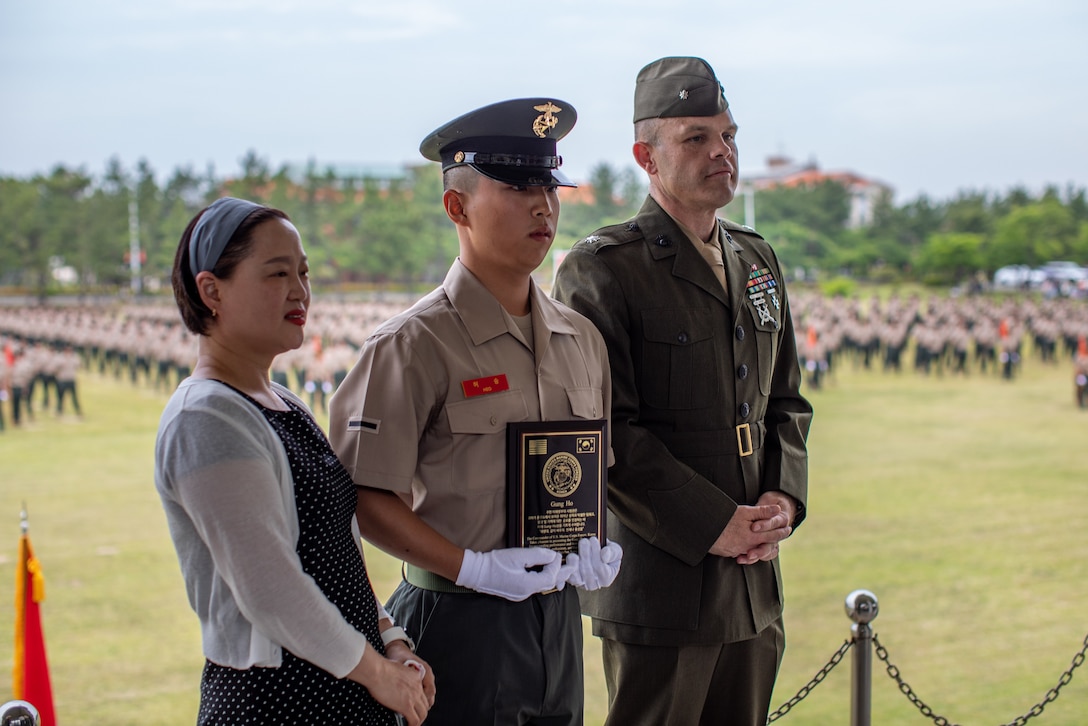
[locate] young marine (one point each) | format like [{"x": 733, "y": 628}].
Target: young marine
[{"x": 428, "y": 448}]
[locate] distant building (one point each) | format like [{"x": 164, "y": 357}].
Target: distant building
[
  {"x": 584, "y": 193},
  {"x": 782, "y": 171}
]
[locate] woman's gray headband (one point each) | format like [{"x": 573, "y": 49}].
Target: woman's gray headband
[{"x": 214, "y": 229}]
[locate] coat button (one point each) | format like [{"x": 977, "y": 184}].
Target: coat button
[
  {"x": 745, "y": 409},
  {"x": 663, "y": 241},
  {"x": 495, "y": 420},
  {"x": 740, "y": 332},
  {"x": 632, "y": 226},
  {"x": 742, "y": 372},
  {"x": 682, "y": 338}
]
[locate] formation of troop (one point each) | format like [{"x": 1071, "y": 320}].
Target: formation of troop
[
  {"x": 37, "y": 378},
  {"x": 944, "y": 335},
  {"x": 43, "y": 348}
]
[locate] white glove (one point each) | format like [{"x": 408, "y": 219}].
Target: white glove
[
  {"x": 505, "y": 572},
  {"x": 594, "y": 566}
]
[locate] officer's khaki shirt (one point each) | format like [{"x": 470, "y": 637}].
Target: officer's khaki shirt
[{"x": 401, "y": 420}]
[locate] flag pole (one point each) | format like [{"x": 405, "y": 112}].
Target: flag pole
[{"x": 30, "y": 676}]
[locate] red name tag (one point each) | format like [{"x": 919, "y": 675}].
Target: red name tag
[{"x": 487, "y": 384}]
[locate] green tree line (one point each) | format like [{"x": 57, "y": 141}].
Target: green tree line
[
  {"x": 391, "y": 232},
  {"x": 923, "y": 240}
]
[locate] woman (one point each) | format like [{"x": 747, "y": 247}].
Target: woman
[{"x": 260, "y": 510}]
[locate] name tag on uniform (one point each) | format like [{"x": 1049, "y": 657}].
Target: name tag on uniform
[{"x": 487, "y": 384}]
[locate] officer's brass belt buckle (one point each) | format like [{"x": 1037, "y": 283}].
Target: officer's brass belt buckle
[{"x": 744, "y": 440}]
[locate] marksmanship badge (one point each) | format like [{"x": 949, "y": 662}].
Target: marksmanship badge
[{"x": 761, "y": 287}]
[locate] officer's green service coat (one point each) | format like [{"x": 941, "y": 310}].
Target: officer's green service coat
[{"x": 700, "y": 376}]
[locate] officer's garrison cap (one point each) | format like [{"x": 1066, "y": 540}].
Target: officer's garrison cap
[
  {"x": 678, "y": 86},
  {"x": 511, "y": 141}
]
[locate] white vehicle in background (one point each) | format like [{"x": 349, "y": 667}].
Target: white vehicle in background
[
  {"x": 1064, "y": 279},
  {"x": 1017, "y": 277},
  {"x": 1064, "y": 271}
]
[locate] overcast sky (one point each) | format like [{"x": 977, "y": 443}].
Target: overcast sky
[{"x": 928, "y": 96}]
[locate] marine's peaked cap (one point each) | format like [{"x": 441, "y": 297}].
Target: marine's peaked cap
[{"x": 511, "y": 141}]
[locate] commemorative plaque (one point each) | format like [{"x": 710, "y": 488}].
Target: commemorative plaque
[{"x": 557, "y": 476}]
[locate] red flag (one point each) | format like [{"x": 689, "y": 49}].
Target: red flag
[{"x": 31, "y": 674}]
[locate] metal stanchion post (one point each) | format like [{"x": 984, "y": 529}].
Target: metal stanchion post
[
  {"x": 862, "y": 607},
  {"x": 19, "y": 713}
]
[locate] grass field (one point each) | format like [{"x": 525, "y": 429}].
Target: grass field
[{"x": 961, "y": 503}]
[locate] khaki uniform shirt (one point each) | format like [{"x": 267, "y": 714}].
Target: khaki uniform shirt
[
  {"x": 401, "y": 420},
  {"x": 66, "y": 365}
]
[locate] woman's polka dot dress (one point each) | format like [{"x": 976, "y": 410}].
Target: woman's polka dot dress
[{"x": 298, "y": 692}]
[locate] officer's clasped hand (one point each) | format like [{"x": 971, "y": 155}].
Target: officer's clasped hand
[
  {"x": 506, "y": 572},
  {"x": 594, "y": 566}
]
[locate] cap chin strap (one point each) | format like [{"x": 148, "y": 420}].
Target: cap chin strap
[{"x": 476, "y": 157}]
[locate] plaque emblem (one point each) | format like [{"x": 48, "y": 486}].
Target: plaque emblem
[{"x": 562, "y": 474}]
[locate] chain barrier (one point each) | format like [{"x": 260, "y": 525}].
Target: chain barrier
[
  {"x": 836, "y": 658},
  {"x": 1036, "y": 710},
  {"x": 905, "y": 688}
]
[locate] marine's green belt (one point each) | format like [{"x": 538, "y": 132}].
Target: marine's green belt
[{"x": 427, "y": 580}]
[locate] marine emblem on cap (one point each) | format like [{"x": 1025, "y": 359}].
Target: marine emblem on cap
[{"x": 546, "y": 120}]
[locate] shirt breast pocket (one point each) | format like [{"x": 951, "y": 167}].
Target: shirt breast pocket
[
  {"x": 486, "y": 414},
  {"x": 767, "y": 355},
  {"x": 679, "y": 363},
  {"x": 587, "y": 403},
  {"x": 477, "y": 445}
]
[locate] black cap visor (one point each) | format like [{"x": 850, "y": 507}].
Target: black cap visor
[
  {"x": 525, "y": 176},
  {"x": 512, "y": 160}
]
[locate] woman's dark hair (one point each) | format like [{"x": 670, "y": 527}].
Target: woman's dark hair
[{"x": 194, "y": 313}]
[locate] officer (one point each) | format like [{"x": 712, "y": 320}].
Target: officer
[
  {"x": 427, "y": 445},
  {"x": 708, "y": 425}
]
